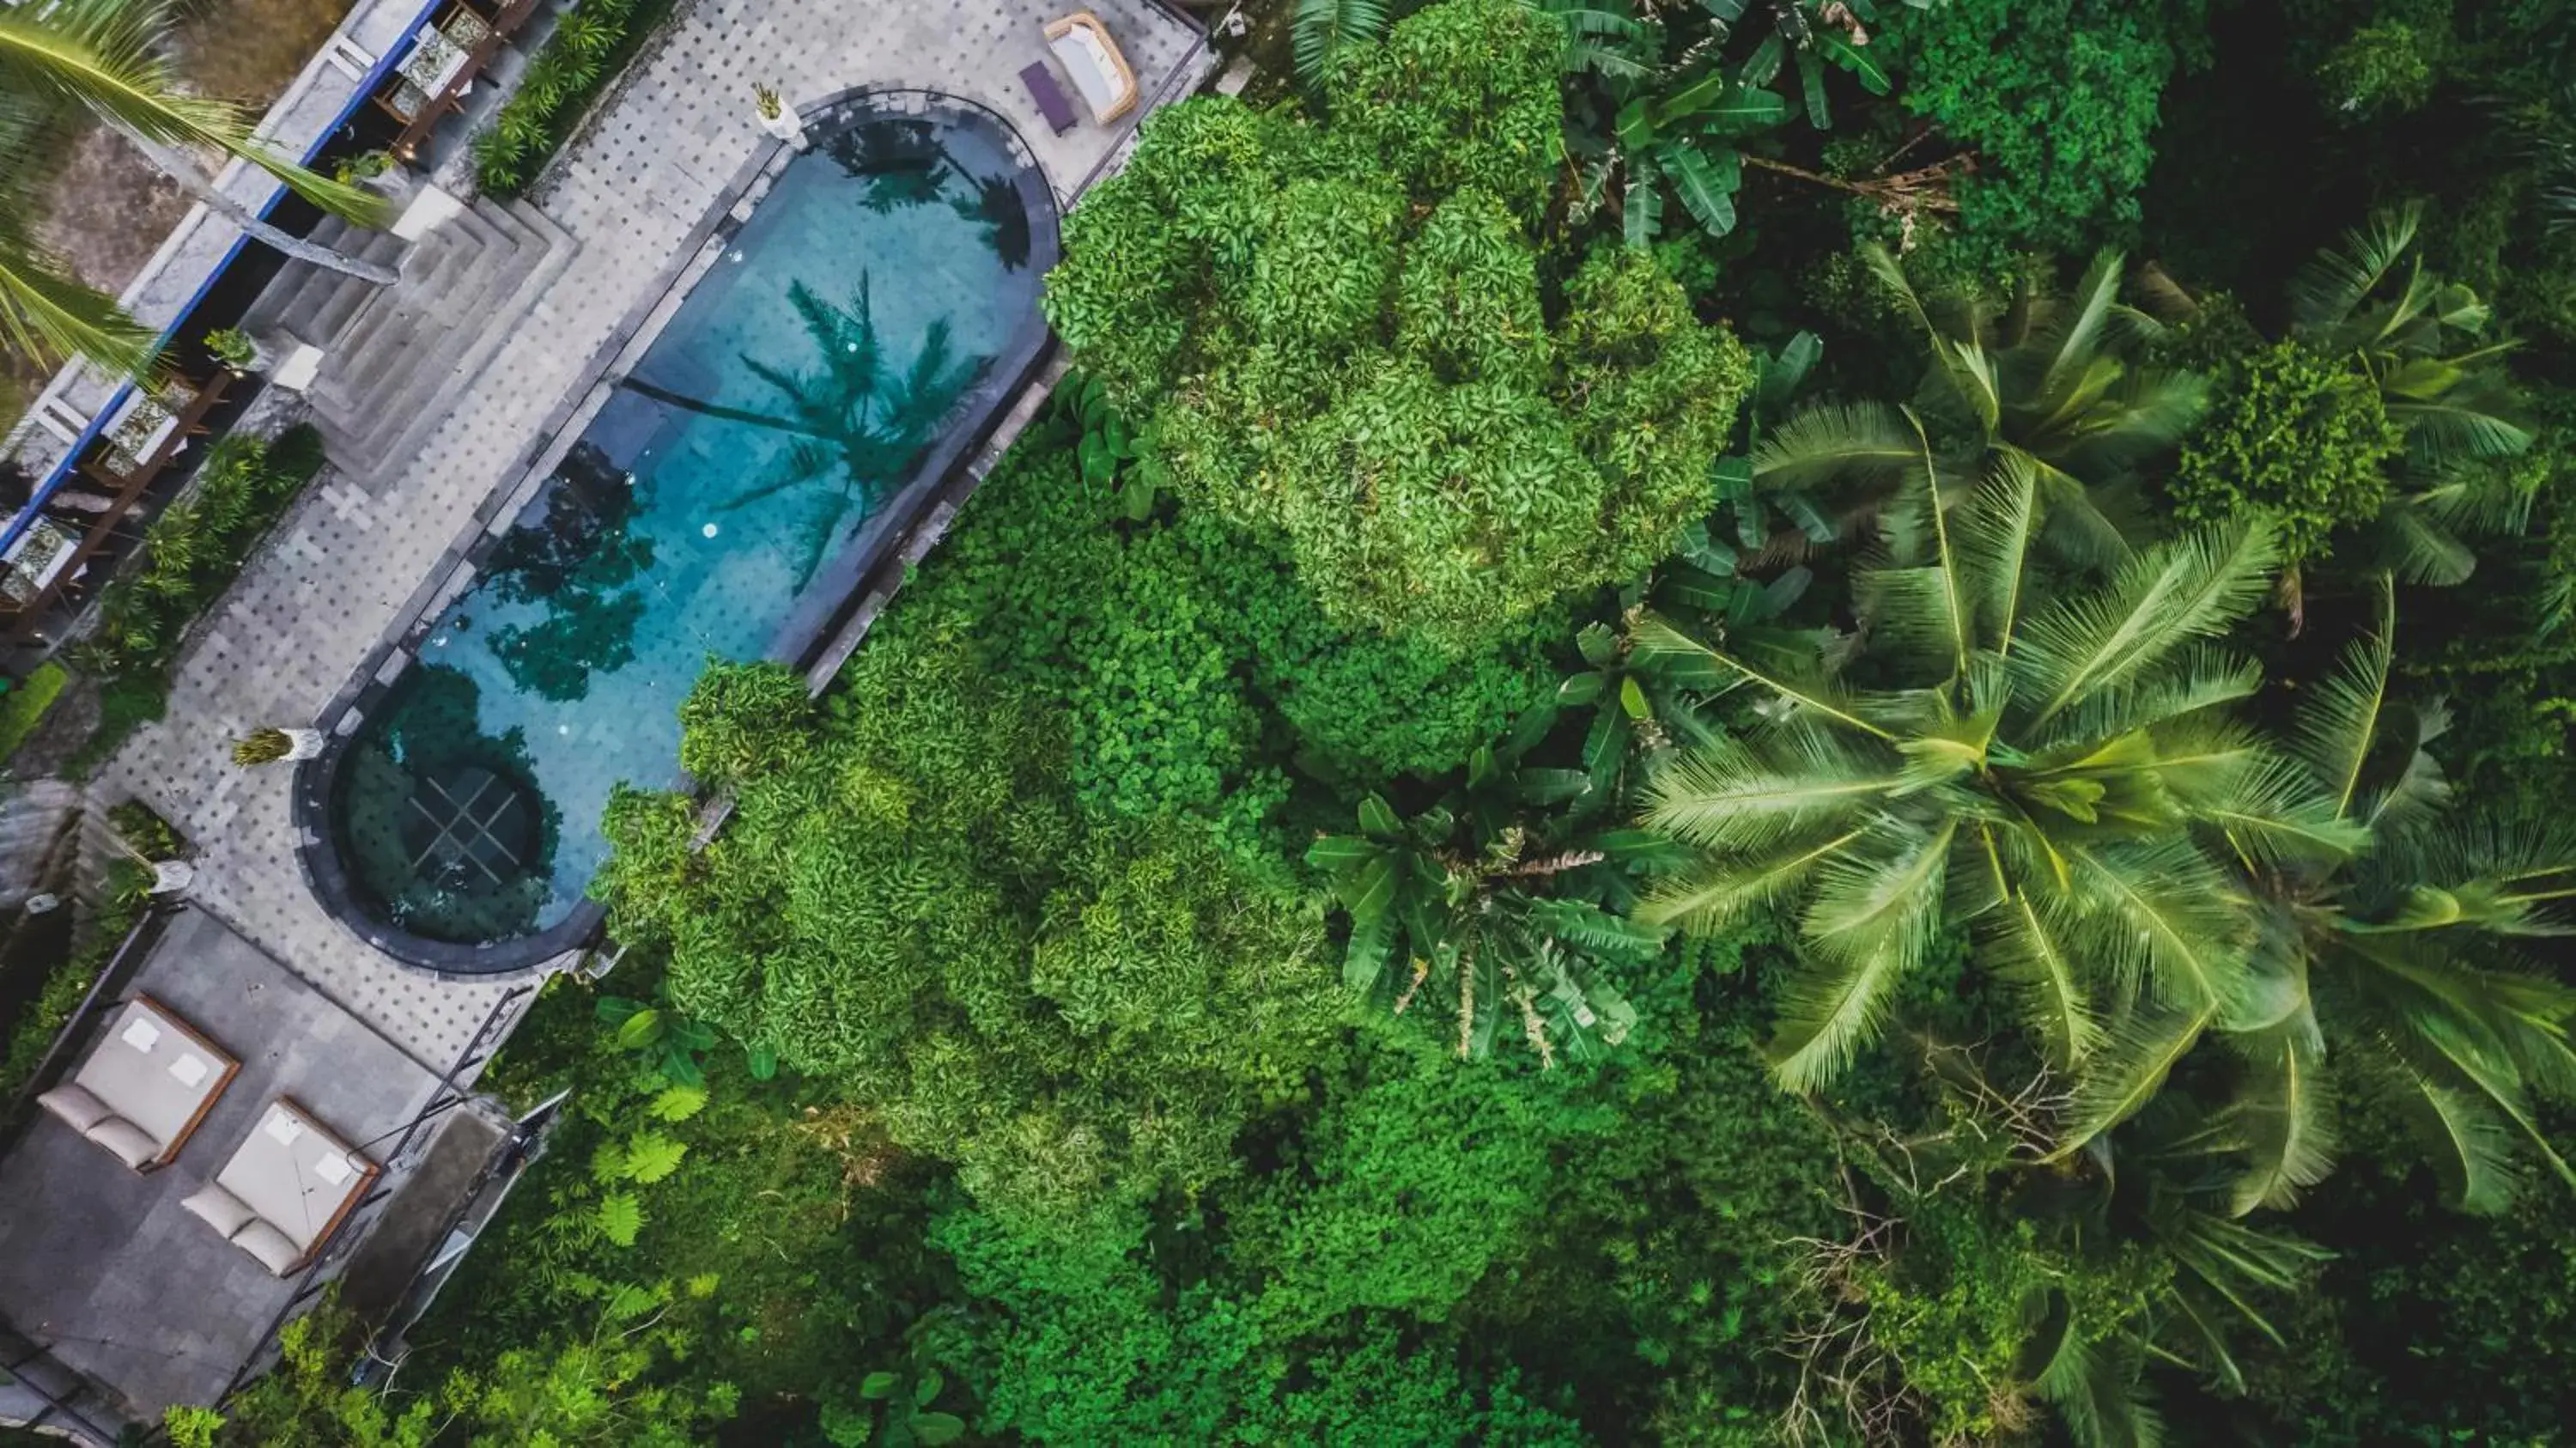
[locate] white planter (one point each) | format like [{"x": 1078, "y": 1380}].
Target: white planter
[
  {"x": 786, "y": 125},
  {"x": 303, "y": 744}
]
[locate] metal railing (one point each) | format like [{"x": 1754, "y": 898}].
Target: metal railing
[
  {"x": 1162, "y": 93},
  {"x": 333, "y": 1249},
  {"x": 57, "y": 1415}
]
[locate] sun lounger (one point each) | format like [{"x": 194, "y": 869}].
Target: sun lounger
[
  {"x": 1050, "y": 97},
  {"x": 145, "y": 1087},
  {"x": 287, "y": 1186},
  {"x": 1081, "y": 44}
]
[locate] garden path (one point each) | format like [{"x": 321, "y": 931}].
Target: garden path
[{"x": 346, "y": 569}]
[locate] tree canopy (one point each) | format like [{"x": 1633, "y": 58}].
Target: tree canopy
[{"x": 1345, "y": 332}]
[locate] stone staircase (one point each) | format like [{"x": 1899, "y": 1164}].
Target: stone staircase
[{"x": 395, "y": 358}]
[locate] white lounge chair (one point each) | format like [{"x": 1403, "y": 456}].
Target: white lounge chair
[
  {"x": 1082, "y": 45},
  {"x": 287, "y": 1186},
  {"x": 145, "y": 1087}
]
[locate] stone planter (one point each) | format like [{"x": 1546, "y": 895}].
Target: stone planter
[{"x": 786, "y": 125}]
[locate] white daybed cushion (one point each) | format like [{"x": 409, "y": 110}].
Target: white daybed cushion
[
  {"x": 222, "y": 1210},
  {"x": 75, "y": 1105},
  {"x": 132, "y": 1145},
  {"x": 151, "y": 1070},
  {"x": 1088, "y": 62},
  {"x": 270, "y": 1246}
]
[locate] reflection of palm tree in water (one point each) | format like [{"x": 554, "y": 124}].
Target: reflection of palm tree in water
[
  {"x": 858, "y": 424},
  {"x": 907, "y": 163}
]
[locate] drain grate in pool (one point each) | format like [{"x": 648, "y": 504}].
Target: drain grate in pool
[{"x": 469, "y": 829}]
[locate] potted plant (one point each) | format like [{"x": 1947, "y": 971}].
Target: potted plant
[
  {"x": 271, "y": 745},
  {"x": 776, "y": 116},
  {"x": 233, "y": 347},
  {"x": 362, "y": 167}
]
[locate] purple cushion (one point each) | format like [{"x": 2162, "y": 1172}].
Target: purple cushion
[{"x": 1051, "y": 99}]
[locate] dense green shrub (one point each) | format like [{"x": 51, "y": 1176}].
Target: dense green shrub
[
  {"x": 1191, "y": 662},
  {"x": 1411, "y": 1184},
  {"x": 94, "y": 940},
  {"x": 196, "y": 547},
  {"x": 1087, "y": 1346},
  {"x": 192, "y": 553},
  {"x": 593, "y": 1389},
  {"x": 1339, "y": 332},
  {"x": 2292, "y": 434},
  {"x": 2058, "y": 99}
]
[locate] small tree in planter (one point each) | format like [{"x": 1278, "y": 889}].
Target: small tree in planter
[
  {"x": 271, "y": 745},
  {"x": 774, "y": 116}
]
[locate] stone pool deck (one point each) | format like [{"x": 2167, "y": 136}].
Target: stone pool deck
[{"x": 351, "y": 565}]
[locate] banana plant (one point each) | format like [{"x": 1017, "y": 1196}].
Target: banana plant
[
  {"x": 1685, "y": 138},
  {"x": 1807, "y": 35},
  {"x": 1746, "y": 515},
  {"x": 1670, "y": 98},
  {"x": 1503, "y": 924}
]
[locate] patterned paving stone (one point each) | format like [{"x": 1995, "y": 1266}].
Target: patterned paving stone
[{"x": 338, "y": 575}]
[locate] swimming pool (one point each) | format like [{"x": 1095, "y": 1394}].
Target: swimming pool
[{"x": 835, "y": 346}]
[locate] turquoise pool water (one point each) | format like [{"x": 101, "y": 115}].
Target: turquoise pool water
[{"x": 842, "y": 331}]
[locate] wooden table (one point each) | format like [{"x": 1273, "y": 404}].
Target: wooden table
[
  {"x": 130, "y": 487},
  {"x": 446, "y": 96}
]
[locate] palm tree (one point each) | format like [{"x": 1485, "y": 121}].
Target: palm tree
[
  {"x": 2058, "y": 780},
  {"x": 106, "y": 57},
  {"x": 2125, "y": 1256},
  {"x": 2393, "y": 970},
  {"x": 2160, "y": 1193},
  {"x": 2057, "y": 383},
  {"x": 2424, "y": 344}
]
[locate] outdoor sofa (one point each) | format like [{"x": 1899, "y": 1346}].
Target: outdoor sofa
[
  {"x": 285, "y": 1189},
  {"x": 1082, "y": 45},
  {"x": 145, "y": 1086}
]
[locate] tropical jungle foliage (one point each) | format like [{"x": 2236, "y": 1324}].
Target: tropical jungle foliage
[
  {"x": 1785, "y": 721},
  {"x": 1458, "y": 455}
]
